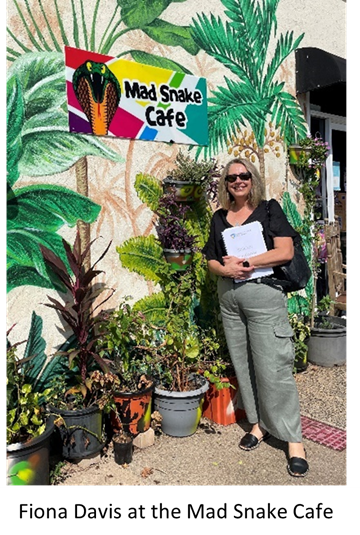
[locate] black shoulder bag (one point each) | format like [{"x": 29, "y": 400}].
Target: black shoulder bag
[{"x": 296, "y": 273}]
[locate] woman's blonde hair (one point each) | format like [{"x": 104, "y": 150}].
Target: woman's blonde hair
[{"x": 257, "y": 193}]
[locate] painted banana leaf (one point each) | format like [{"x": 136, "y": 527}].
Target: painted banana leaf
[
  {"x": 134, "y": 15},
  {"x": 37, "y": 125},
  {"x": 34, "y": 215},
  {"x": 149, "y": 190},
  {"x": 142, "y": 254}
]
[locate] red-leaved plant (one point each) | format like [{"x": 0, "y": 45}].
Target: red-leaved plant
[{"x": 78, "y": 311}]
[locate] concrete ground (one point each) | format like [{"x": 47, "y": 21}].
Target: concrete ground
[{"x": 211, "y": 456}]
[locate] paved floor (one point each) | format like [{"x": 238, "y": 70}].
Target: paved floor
[{"x": 211, "y": 456}]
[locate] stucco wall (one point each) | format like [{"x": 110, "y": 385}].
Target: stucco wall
[{"x": 111, "y": 183}]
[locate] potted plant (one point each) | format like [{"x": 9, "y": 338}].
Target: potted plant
[
  {"x": 190, "y": 179},
  {"x": 327, "y": 341},
  {"x": 121, "y": 335},
  {"x": 173, "y": 232},
  {"x": 80, "y": 405},
  {"x": 28, "y": 430}
]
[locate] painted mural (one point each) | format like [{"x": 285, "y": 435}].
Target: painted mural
[{"x": 58, "y": 181}]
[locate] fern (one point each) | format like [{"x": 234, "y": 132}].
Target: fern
[
  {"x": 142, "y": 254},
  {"x": 149, "y": 190},
  {"x": 153, "y": 307}
]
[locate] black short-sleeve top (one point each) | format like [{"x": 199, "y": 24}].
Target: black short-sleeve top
[{"x": 268, "y": 213}]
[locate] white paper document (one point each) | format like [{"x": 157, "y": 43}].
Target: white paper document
[{"x": 244, "y": 242}]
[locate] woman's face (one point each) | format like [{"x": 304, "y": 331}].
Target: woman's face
[{"x": 240, "y": 188}]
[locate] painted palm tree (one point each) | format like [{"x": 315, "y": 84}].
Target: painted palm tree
[
  {"x": 37, "y": 107},
  {"x": 255, "y": 97}
]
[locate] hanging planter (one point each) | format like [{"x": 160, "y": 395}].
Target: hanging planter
[
  {"x": 179, "y": 260},
  {"x": 299, "y": 155},
  {"x": 184, "y": 190}
]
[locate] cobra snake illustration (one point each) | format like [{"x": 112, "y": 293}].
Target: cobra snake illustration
[{"x": 98, "y": 92}]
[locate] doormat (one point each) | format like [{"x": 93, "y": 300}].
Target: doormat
[{"x": 323, "y": 434}]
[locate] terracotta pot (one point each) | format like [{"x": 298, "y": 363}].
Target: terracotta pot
[
  {"x": 220, "y": 406},
  {"x": 134, "y": 409}
]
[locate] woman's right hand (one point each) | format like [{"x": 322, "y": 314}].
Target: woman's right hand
[{"x": 234, "y": 268}]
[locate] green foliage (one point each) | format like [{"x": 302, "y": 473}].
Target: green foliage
[
  {"x": 301, "y": 334},
  {"x": 197, "y": 172},
  {"x": 181, "y": 332},
  {"x": 122, "y": 335},
  {"x": 126, "y": 16},
  {"x": 26, "y": 417},
  {"x": 241, "y": 44}
]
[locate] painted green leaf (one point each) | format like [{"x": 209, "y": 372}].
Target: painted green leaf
[
  {"x": 153, "y": 307},
  {"x": 23, "y": 248},
  {"x": 149, "y": 190},
  {"x": 17, "y": 275},
  {"x": 288, "y": 116},
  {"x": 46, "y": 154},
  {"x": 169, "y": 34},
  {"x": 15, "y": 119},
  {"x": 42, "y": 77},
  {"x": 139, "y": 13},
  {"x": 48, "y": 207},
  {"x": 157, "y": 61},
  {"x": 142, "y": 254},
  {"x": 35, "y": 348}
]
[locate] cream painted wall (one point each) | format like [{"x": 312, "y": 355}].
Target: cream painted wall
[{"x": 111, "y": 185}]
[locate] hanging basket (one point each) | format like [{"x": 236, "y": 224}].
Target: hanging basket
[
  {"x": 184, "y": 190},
  {"x": 179, "y": 260},
  {"x": 298, "y": 155}
]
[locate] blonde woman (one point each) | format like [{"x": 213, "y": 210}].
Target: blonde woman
[{"x": 254, "y": 312}]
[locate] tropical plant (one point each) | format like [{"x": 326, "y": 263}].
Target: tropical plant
[
  {"x": 26, "y": 418},
  {"x": 79, "y": 309},
  {"x": 184, "y": 311},
  {"x": 122, "y": 336},
  {"x": 241, "y": 44}
]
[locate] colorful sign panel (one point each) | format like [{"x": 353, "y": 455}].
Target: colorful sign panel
[{"x": 117, "y": 97}]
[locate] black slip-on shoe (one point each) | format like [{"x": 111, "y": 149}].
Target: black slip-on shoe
[
  {"x": 298, "y": 467},
  {"x": 249, "y": 442}
]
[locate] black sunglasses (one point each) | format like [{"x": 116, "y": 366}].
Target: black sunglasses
[{"x": 242, "y": 176}]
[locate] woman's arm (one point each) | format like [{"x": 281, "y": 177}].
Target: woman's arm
[
  {"x": 233, "y": 268},
  {"x": 283, "y": 252}
]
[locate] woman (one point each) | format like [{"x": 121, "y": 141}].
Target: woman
[{"x": 254, "y": 312}]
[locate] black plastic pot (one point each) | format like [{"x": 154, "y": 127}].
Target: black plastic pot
[
  {"x": 82, "y": 433},
  {"x": 123, "y": 451}
]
